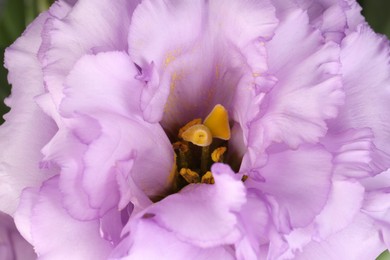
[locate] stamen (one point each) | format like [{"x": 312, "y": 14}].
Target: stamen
[
  {"x": 196, "y": 121},
  {"x": 189, "y": 175},
  {"x": 208, "y": 178},
  {"x": 218, "y": 123},
  {"x": 183, "y": 149},
  {"x": 244, "y": 178},
  {"x": 173, "y": 174},
  {"x": 199, "y": 135},
  {"x": 217, "y": 154},
  {"x": 204, "y": 160}
]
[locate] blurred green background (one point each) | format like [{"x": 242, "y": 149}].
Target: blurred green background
[{"x": 15, "y": 15}]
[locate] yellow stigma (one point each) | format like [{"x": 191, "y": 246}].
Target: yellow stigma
[
  {"x": 208, "y": 178},
  {"x": 189, "y": 176},
  {"x": 218, "y": 122},
  {"x": 193, "y": 122},
  {"x": 199, "y": 135},
  {"x": 217, "y": 154}
]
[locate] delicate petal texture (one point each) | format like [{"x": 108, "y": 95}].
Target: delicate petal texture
[
  {"x": 77, "y": 239},
  {"x": 354, "y": 152},
  {"x": 345, "y": 202},
  {"x": 101, "y": 90},
  {"x": 257, "y": 226},
  {"x": 201, "y": 214},
  {"x": 205, "y": 63},
  {"x": 298, "y": 106},
  {"x": 102, "y": 83},
  {"x": 149, "y": 241},
  {"x": 299, "y": 186},
  {"x": 21, "y": 135},
  {"x": 101, "y": 146},
  {"x": 66, "y": 39},
  {"x": 364, "y": 243},
  {"x": 12, "y": 245},
  {"x": 67, "y": 152},
  {"x": 366, "y": 65}
]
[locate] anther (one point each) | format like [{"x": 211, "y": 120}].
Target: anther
[
  {"x": 217, "y": 154},
  {"x": 208, "y": 178},
  {"x": 189, "y": 175}
]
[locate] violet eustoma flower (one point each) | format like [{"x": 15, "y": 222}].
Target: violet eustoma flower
[{"x": 199, "y": 130}]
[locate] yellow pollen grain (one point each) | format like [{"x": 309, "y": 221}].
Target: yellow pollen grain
[
  {"x": 208, "y": 178},
  {"x": 217, "y": 154},
  {"x": 189, "y": 175},
  {"x": 199, "y": 135},
  {"x": 218, "y": 122}
]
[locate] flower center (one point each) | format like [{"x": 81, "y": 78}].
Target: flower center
[{"x": 200, "y": 144}]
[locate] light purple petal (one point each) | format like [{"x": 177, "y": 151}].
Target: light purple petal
[
  {"x": 104, "y": 87},
  {"x": 102, "y": 83},
  {"x": 354, "y": 152},
  {"x": 149, "y": 241},
  {"x": 298, "y": 184},
  {"x": 360, "y": 240},
  {"x": 198, "y": 60},
  {"x": 72, "y": 238},
  {"x": 202, "y": 214},
  {"x": 27, "y": 129},
  {"x": 345, "y": 202},
  {"x": 144, "y": 143},
  {"x": 66, "y": 152},
  {"x": 257, "y": 227},
  {"x": 66, "y": 39},
  {"x": 297, "y": 106},
  {"x": 12, "y": 244},
  {"x": 366, "y": 78}
]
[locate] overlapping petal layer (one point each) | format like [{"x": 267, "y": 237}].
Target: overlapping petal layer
[
  {"x": 21, "y": 135},
  {"x": 99, "y": 98}
]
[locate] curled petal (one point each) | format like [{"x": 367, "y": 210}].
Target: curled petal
[
  {"x": 149, "y": 241},
  {"x": 21, "y": 136},
  {"x": 202, "y": 214},
  {"x": 366, "y": 78},
  {"x": 360, "y": 232},
  {"x": 298, "y": 183},
  {"x": 198, "y": 68},
  {"x": 41, "y": 210},
  {"x": 67, "y": 37},
  {"x": 297, "y": 106}
]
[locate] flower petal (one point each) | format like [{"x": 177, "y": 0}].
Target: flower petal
[
  {"x": 102, "y": 83},
  {"x": 360, "y": 232},
  {"x": 298, "y": 106},
  {"x": 355, "y": 155},
  {"x": 74, "y": 239},
  {"x": 202, "y": 214},
  {"x": 12, "y": 244},
  {"x": 104, "y": 87},
  {"x": 200, "y": 67},
  {"x": 366, "y": 78},
  {"x": 298, "y": 182},
  {"x": 27, "y": 129},
  {"x": 67, "y": 38},
  {"x": 149, "y": 241},
  {"x": 345, "y": 201},
  {"x": 145, "y": 144}
]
